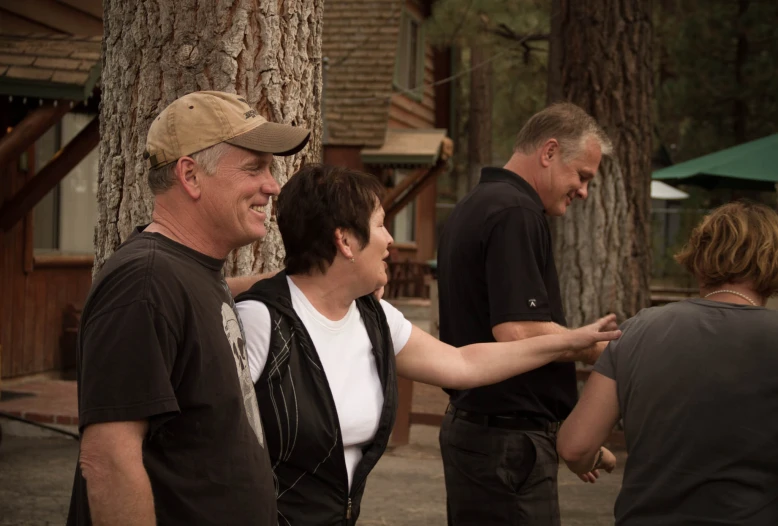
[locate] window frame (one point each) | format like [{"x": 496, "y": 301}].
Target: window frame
[{"x": 402, "y": 64}]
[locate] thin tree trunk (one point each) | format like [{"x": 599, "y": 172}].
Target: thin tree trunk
[
  {"x": 154, "y": 51},
  {"x": 602, "y": 246},
  {"x": 554, "y": 81},
  {"x": 740, "y": 107},
  {"x": 479, "y": 142}
]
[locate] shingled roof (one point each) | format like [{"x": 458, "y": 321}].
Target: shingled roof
[
  {"x": 49, "y": 66},
  {"x": 359, "y": 39}
]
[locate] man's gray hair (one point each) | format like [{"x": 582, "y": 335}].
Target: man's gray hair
[
  {"x": 161, "y": 179},
  {"x": 570, "y": 125}
]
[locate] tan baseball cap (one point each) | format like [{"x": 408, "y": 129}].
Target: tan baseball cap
[{"x": 204, "y": 118}]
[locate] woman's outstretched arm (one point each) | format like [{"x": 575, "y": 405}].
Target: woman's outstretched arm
[{"x": 427, "y": 359}]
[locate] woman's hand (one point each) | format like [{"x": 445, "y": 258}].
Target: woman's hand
[
  {"x": 607, "y": 462},
  {"x": 603, "y": 330}
]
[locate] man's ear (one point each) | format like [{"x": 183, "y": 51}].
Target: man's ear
[
  {"x": 548, "y": 152},
  {"x": 188, "y": 176},
  {"x": 344, "y": 243}
]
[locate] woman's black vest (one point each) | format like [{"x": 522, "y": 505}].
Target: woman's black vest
[{"x": 301, "y": 428}]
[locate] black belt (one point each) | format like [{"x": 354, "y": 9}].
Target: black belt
[{"x": 514, "y": 422}]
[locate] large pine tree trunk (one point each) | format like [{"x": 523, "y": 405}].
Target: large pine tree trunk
[
  {"x": 154, "y": 51},
  {"x": 602, "y": 246}
]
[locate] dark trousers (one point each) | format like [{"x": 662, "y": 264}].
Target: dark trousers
[{"x": 499, "y": 476}]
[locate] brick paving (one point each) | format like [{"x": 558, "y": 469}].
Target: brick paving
[
  {"x": 53, "y": 401},
  {"x": 405, "y": 489}
]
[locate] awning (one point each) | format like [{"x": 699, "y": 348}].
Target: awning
[
  {"x": 410, "y": 148},
  {"x": 49, "y": 66},
  {"x": 660, "y": 190},
  {"x": 752, "y": 164}
]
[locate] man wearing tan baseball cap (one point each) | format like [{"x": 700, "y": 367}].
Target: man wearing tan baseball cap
[
  {"x": 170, "y": 427},
  {"x": 202, "y": 119}
]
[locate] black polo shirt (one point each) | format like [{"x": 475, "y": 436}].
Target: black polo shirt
[{"x": 495, "y": 265}]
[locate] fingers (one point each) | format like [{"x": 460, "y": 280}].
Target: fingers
[
  {"x": 607, "y": 336},
  {"x": 590, "y": 477},
  {"x": 607, "y": 323}
]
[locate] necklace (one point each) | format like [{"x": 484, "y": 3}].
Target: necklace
[{"x": 736, "y": 293}]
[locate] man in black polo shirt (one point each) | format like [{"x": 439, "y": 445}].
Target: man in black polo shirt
[{"x": 498, "y": 282}]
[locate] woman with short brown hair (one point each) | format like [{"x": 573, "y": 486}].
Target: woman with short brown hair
[{"x": 696, "y": 385}]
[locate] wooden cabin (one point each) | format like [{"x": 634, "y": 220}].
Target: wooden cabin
[
  {"x": 381, "y": 114},
  {"x": 48, "y": 205}
]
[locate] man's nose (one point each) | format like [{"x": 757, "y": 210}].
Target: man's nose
[
  {"x": 583, "y": 192},
  {"x": 270, "y": 187}
]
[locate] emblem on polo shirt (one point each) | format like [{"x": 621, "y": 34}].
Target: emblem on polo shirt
[{"x": 533, "y": 303}]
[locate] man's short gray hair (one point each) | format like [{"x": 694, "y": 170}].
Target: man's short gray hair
[
  {"x": 161, "y": 179},
  {"x": 570, "y": 125}
]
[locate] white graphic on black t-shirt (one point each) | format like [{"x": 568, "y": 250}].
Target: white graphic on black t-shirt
[{"x": 234, "y": 332}]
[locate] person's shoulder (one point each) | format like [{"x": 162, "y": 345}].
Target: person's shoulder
[
  {"x": 390, "y": 311},
  {"x": 517, "y": 213},
  {"x": 131, "y": 262},
  {"x": 268, "y": 291},
  {"x": 661, "y": 315},
  {"x": 138, "y": 271},
  {"x": 251, "y": 307},
  {"x": 254, "y": 315},
  {"x": 500, "y": 195},
  {"x": 141, "y": 255}
]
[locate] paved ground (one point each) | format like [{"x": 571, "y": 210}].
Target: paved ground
[{"x": 405, "y": 489}]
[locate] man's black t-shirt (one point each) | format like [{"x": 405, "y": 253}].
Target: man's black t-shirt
[
  {"x": 160, "y": 341},
  {"x": 495, "y": 265}
]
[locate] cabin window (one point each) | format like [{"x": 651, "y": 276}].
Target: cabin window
[
  {"x": 404, "y": 222},
  {"x": 64, "y": 221},
  {"x": 409, "y": 69}
]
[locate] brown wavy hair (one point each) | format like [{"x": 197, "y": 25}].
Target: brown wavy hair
[{"x": 737, "y": 242}]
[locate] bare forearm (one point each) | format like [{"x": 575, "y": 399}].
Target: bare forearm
[
  {"x": 488, "y": 363},
  {"x": 583, "y": 463},
  {"x": 520, "y": 331},
  {"x": 240, "y": 284},
  {"x": 121, "y": 496},
  {"x": 588, "y": 356}
]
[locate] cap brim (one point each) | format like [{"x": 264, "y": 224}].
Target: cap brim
[{"x": 271, "y": 137}]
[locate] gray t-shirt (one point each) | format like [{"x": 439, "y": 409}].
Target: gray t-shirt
[{"x": 697, "y": 383}]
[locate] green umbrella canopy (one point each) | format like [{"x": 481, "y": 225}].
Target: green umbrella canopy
[{"x": 753, "y": 165}]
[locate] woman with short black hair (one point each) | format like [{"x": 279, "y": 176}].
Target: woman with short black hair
[{"x": 322, "y": 348}]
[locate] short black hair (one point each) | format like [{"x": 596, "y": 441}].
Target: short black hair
[{"x": 316, "y": 201}]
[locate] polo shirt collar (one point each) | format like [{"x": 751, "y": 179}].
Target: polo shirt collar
[{"x": 492, "y": 174}]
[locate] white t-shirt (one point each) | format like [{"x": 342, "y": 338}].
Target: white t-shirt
[{"x": 346, "y": 354}]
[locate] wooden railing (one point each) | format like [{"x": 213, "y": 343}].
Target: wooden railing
[{"x": 408, "y": 279}]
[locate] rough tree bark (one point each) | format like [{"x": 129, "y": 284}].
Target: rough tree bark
[
  {"x": 157, "y": 50},
  {"x": 554, "y": 81},
  {"x": 739, "y": 104},
  {"x": 479, "y": 124},
  {"x": 602, "y": 246}
]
